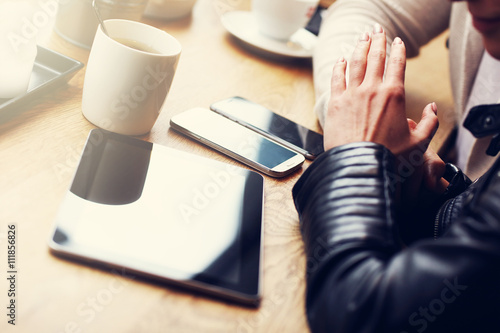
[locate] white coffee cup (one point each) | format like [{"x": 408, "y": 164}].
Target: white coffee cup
[
  {"x": 280, "y": 19},
  {"x": 125, "y": 88}
]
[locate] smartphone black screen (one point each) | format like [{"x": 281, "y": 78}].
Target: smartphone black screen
[{"x": 274, "y": 126}]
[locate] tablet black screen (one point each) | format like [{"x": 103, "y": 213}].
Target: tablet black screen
[{"x": 164, "y": 214}]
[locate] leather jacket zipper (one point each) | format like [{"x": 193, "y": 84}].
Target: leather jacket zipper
[{"x": 436, "y": 225}]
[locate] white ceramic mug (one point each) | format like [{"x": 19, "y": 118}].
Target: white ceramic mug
[
  {"x": 280, "y": 19},
  {"x": 125, "y": 88}
]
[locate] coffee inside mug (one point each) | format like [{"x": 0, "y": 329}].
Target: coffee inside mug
[{"x": 137, "y": 45}]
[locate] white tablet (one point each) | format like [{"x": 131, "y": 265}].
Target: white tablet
[{"x": 164, "y": 214}]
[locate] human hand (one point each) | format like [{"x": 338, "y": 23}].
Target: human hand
[
  {"x": 371, "y": 108},
  {"x": 425, "y": 178}
]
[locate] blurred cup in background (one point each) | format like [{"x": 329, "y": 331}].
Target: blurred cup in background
[
  {"x": 77, "y": 23},
  {"x": 280, "y": 19},
  {"x": 169, "y": 9}
]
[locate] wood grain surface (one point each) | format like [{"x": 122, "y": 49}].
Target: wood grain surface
[{"x": 40, "y": 145}]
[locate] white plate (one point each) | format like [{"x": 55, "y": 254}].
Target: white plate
[{"x": 242, "y": 25}]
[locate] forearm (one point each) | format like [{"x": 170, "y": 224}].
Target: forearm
[
  {"x": 342, "y": 181},
  {"x": 358, "y": 277},
  {"x": 345, "y": 204}
]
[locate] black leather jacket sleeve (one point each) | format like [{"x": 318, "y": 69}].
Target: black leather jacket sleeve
[{"x": 359, "y": 276}]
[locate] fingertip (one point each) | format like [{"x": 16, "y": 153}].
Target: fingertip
[
  {"x": 431, "y": 108},
  {"x": 340, "y": 63},
  {"x": 365, "y": 37},
  {"x": 396, "y": 66},
  {"x": 429, "y": 123},
  {"x": 430, "y": 111},
  {"x": 377, "y": 29},
  {"x": 338, "y": 80},
  {"x": 434, "y": 108},
  {"x": 397, "y": 41}
]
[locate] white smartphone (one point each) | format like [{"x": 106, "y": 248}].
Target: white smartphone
[
  {"x": 236, "y": 141},
  {"x": 277, "y": 128}
]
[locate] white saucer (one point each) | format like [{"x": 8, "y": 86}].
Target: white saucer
[{"x": 242, "y": 25}]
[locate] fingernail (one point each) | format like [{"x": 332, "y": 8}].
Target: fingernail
[
  {"x": 434, "y": 107},
  {"x": 341, "y": 59},
  {"x": 364, "y": 37},
  {"x": 377, "y": 29},
  {"x": 397, "y": 40}
]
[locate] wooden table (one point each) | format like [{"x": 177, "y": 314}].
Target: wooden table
[{"x": 39, "y": 149}]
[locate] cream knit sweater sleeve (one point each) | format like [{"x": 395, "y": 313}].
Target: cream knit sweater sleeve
[{"x": 415, "y": 21}]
